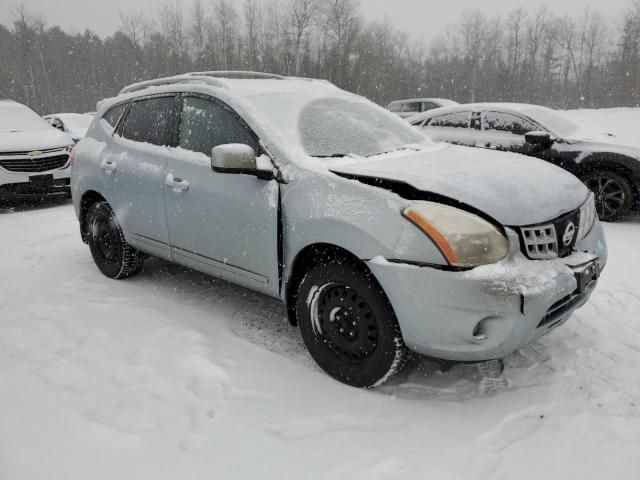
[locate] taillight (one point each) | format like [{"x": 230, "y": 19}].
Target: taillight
[{"x": 72, "y": 155}]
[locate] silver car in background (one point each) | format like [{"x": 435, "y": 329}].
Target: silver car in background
[
  {"x": 74, "y": 124},
  {"x": 408, "y": 108},
  {"x": 380, "y": 242}
]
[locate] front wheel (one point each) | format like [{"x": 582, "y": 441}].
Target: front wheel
[
  {"x": 613, "y": 194},
  {"x": 109, "y": 249},
  {"x": 348, "y": 325}
]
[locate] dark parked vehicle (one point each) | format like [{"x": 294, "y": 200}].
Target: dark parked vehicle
[{"x": 610, "y": 170}]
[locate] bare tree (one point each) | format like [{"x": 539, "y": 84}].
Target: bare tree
[{"x": 300, "y": 20}]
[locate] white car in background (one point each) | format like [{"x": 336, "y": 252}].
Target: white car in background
[
  {"x": 34, "y": 156},
  {"x": 75, "y": 124},
  {"x": 408, "y": 108}
]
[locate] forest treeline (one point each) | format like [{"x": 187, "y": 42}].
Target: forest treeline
[{"x": 588, "y": 59}]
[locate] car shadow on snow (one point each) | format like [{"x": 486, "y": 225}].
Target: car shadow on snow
[
  {"x": 262, "y": 321},
  {"x": 31, "y": 202}
]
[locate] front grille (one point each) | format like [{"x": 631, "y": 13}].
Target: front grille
[
  {"x": 551, "y": 240},
  {"x": 541, "y": 242},
  {"x": 26, "y": 153},
  {"x": 34, "y": 165}
]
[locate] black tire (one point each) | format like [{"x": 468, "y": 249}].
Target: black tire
[
  {"x": 348, "y": 325},
  {"x": 613, "y": 193},
  {"x": 109, "y": 249}
]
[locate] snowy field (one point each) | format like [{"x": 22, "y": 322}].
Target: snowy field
[{"x": 176, "y": 375}]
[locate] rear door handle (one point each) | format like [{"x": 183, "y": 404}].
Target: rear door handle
[
  {"x": 108, "y": 166},
  {"x": 177, "y": 184}
]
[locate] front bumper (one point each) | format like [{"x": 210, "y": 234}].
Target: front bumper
[
  {"x": 38, "y": 183},
  {"x": 489, "y": 312}
]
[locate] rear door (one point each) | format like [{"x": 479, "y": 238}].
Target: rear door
[
  {"x": 135, "y": 167},
  {"x": 222, "y": 224},
  {"x": 452, "y": 128}
]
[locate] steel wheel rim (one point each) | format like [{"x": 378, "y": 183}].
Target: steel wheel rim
[
  {"x": 344, "y": 322},
  {"x": 609, "y": 194}
]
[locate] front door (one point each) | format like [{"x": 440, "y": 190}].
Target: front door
[
  {"x": 222, "y": 224},
  {"x": 506, "y": 132}
]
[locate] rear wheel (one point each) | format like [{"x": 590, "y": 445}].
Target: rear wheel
[
  {"x": 109, "y": 249},
  {"x": 348, "y": 325},
  {"x": 613, "y": 194}
]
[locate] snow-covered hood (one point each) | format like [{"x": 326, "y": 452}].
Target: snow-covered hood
[
  {"x": 514, "y": 189},
  {"x": 35, "y": 140}
]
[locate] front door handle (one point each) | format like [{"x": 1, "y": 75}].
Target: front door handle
[
  {"x": 177, "y": 184},
  {"x": 108, "y": 166}
]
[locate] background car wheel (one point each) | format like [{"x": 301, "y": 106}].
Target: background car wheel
[
  {"x": 613, "y": 194},
  {"x": 111, "y": 253},
  {"x": 348, "y": 325}
]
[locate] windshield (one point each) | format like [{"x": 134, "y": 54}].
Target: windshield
[
  {"x": 15, "y": 117},
  {"x": 339, "y": 126},
  {"x": 552, "y": 120}
]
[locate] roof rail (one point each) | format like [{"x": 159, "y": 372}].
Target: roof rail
[
  {"x": 159, "y": 82},
  {"x": 240, "y": 74}
]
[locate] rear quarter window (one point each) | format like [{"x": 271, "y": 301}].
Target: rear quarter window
[
  {"x": 110, "y": 119},
  {"x": 452, "y": 120}
]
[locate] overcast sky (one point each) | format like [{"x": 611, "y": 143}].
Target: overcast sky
[{"x": 421, "y": 18}]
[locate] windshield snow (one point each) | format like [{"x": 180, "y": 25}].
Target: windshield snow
[
  {"x": 15, "y": 117},
  {"x": 552, "y": 120},
  {"x": 336, "y": 126}
]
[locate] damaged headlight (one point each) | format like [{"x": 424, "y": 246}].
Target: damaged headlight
[
  {"x": 464, "y": 239},
  {"x": 588, "y": 216}
]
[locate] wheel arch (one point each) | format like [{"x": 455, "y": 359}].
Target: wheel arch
[
  {"x": 307, "y": 258},
  {"x": 620, "y": 164}
]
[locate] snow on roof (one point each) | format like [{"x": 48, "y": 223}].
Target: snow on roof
[
  {"x": 521, "y": 108},
  {"x": 444, "y": 101}
]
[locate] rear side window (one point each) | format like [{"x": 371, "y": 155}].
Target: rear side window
[
  {"x": 206, "y": 124},
  {"x": 113, "y": 115},
  {"x": 505, "y": 122},
  {"x": 395, "y": 107},
  {"x": 452, "y": 120},
  {"x": 426, "y": 106},
  {"x": 152, "y": 120},
  {"x": 413, "y": 107}
]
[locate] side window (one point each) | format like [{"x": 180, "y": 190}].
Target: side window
[
  {"x": 151, "y": 121},
  {"x": 426, "y": 106},
  {"x": 452, "y": 120},
  {"x": 395, "y": 107},
  {"x": 413, "y": 107},
  {"x": 505, "y": 122},
  {"x": 206, "y": 124},
  {"x": 113, "y": 115}
]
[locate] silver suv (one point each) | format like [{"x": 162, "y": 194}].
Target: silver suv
[{"x": 380, "y": 242}]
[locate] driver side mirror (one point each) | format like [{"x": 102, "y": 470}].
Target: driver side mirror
[
  {"x": 239, "y": 159},
  {"x": 542, "y": 139}
]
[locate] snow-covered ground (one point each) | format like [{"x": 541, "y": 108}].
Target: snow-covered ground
[{"x": 173, "y": 374}]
